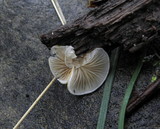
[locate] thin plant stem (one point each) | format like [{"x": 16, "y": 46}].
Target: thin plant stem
[
  {"x": 34, "y": 103},
  {"x": 63, "y": 21},
  {"x": 107, "y": 89},
  {"x": 59, "y": 11},
  {"x": 128, "y": 94}
]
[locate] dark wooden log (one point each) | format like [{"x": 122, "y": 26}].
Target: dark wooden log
[
  {"x": 130, "y": 23},
  {"x": 95, "y": 3}
]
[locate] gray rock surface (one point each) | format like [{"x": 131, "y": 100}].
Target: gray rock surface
[{"x": 24, "y": 73}]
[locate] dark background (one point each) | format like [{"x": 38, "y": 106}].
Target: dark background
[{"x": 24, "y": 73}]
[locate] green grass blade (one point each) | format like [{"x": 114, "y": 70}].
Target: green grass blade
[
  {"x": 127, "y": 95},
  {"x": 107, "y": 89}
]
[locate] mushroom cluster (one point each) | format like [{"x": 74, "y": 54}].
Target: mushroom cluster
[{"x": 83, "y": 74}]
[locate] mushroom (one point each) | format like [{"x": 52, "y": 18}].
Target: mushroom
[
  {"x": 82, "y": 74},
  {"x": 57, "y": 64}
]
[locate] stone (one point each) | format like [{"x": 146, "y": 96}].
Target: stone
[{"x": 24, "y": 73}]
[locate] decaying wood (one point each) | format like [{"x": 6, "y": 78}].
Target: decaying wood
[
  {"x": 139, "y": 100},
  {"x": 130, "y": 23},
  {"x": 95, "y": 3}
]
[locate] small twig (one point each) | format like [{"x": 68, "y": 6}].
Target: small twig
[
  {"x": 151, "y": 89},
  {"x": 32, "y": 106}
]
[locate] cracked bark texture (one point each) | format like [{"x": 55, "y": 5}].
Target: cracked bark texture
[{"x": 132, "y": 24}]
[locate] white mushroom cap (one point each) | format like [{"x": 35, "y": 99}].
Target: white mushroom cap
[
  {"x": 83, "y": 74},
  {"x": 57, "y": 64}
]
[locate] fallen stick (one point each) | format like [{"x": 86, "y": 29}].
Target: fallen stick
[{"x": 139, "y": 100}]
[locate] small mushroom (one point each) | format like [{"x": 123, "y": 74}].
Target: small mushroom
[
  {"x": 82, "y": 74},
  {"x": 57, "y": 64}
]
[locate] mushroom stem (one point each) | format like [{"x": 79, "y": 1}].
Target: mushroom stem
[{"x": 35, "y": 102}]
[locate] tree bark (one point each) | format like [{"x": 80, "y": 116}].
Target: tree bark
[{"x": 132, "y": 24}]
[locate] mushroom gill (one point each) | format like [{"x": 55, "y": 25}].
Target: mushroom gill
[
  {"x": 83, "y": 74},
  {"x": 57, "y": 64}
]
